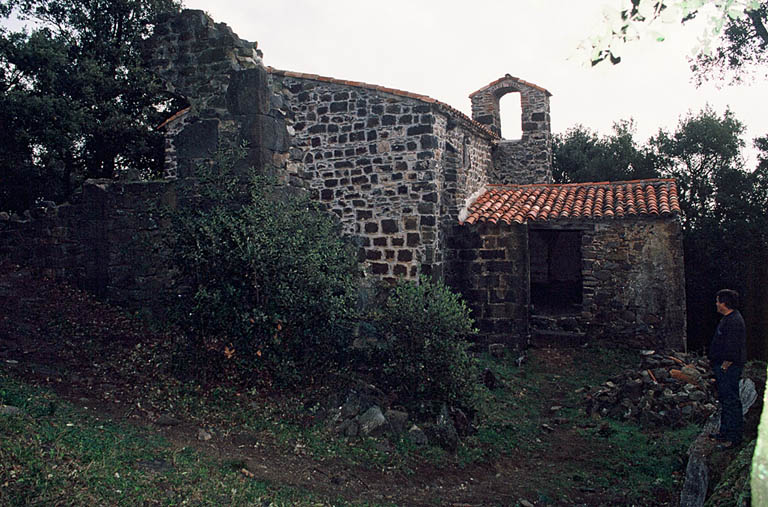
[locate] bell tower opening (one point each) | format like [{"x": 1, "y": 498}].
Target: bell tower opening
[{"x": 511, "y": 116}]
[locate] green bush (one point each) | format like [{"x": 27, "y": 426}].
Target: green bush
[
  {"x": 424, "y": 328},
  {"x": 273, "y": 283}
]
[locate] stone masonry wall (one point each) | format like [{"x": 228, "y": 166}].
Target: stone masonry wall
[
  {"x": 488, "y": 264},
  {"x": 223, "y": 79},
  {"x": 633, "y": 277},
  {"x": 108, "y": 241},
  {"x": 390, "y": 165},
  {"x": 529, "y": 159}
]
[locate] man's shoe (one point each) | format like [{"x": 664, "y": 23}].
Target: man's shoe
[{"x": 718, "y": 436}]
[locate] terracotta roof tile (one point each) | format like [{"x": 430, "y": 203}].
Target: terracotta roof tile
[
  {"x": 175, "y": 116},
  {"x": 423, "y": 98},
  {"x": 523, "y": 203}
]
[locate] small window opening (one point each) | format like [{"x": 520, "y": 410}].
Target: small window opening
[
  {"x": 511, "y": 116},
  {"x": 556, "y": 284}
]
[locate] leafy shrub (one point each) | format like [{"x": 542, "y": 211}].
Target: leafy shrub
[
  {"x": 272, "y": 281},
  {"x": 423, "y": 351}
]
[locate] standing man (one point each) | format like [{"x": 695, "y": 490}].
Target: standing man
[{"x": 727, "y": 354}]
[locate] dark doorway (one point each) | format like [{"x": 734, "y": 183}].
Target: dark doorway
[{"x": 556, "y": 286}]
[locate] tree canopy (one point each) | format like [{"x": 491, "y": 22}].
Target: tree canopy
[
  {"x": 77, "y": 100},
  {"x": 581, "y": 155},
  {"x": 736, "y": 27},
  {"x": 742, "y": 51},
  {"x": 698, "y": 154}
]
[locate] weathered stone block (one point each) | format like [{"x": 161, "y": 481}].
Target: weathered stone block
[
  {"x": 266, "y": 133},
  {"x": 493, "y": 254},
  {"x": 248, "y": 92},
  {"x": 405, "y": 255},
  {"x": 378, "y": 268},
  {"x": 198, "y": 140},
  {"x": 389, "y": 226}
]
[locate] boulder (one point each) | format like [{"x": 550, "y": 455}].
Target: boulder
[
  {"x": 398, "y": 421},
  {"x": 417, "y": 436},
  {"x": 372, "y": 422},
  {"x": 10, "y": 410},
  {"x": 348, "y": 428},
  {"x": 351, "y": 406}
]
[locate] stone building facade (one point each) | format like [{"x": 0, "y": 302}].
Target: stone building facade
[
  {"x": 392, "y": 165},
  {"x": 403, "y": 172}
]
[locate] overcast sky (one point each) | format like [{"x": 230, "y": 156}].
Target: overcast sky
[{"x": 447, "y": 49}]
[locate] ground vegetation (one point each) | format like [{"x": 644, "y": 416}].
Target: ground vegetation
[{"x": 101, "y": 417}]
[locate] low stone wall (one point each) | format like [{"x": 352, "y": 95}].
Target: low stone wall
[{"x": 109, "y": 241}]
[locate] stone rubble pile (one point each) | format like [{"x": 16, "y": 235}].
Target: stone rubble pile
[
  {"x": 668, "y": 389},
  {"x": 362, "y": 413}
]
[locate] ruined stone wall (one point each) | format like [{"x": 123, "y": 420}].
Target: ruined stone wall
[
  {"x": 109, "y": 241},
  {"x": 526, "y": 160},
  {"x": 488, "y": 263},
  {"x": 223, "y": 79},
  {"x": 390, "y": 165},
  {"x": 633, "y": 277}
]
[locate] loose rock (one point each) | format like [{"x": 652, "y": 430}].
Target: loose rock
[
  {"x": 667, "y": 389},
  {"x": 10, "y": 410},
  {"x": 167, "y": 420},
  {"x": 398, "y": 421},
  {"x": 417, "y": 436},
  {"x": 372, "y": 422}
]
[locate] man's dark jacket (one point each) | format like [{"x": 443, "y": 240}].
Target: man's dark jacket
[{"x": 730, "y": 340}]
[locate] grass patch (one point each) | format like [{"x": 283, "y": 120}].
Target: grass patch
[
  {"x": 643, "y": 462},
  {"x": 54, "y": 454}
]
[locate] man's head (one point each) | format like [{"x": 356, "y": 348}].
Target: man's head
[{"x": 727, "y": 301}]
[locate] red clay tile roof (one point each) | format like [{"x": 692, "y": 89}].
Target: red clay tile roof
[
  {"x": 522, "y": 203},
  {"x": 176, "y": 115},
  {"x": 442, "y": 105}
]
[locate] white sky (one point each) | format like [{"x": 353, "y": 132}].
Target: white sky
[{"x": 447, "y": 49}]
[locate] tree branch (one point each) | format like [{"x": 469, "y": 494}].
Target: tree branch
[{"x": 757, "y": 23}]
